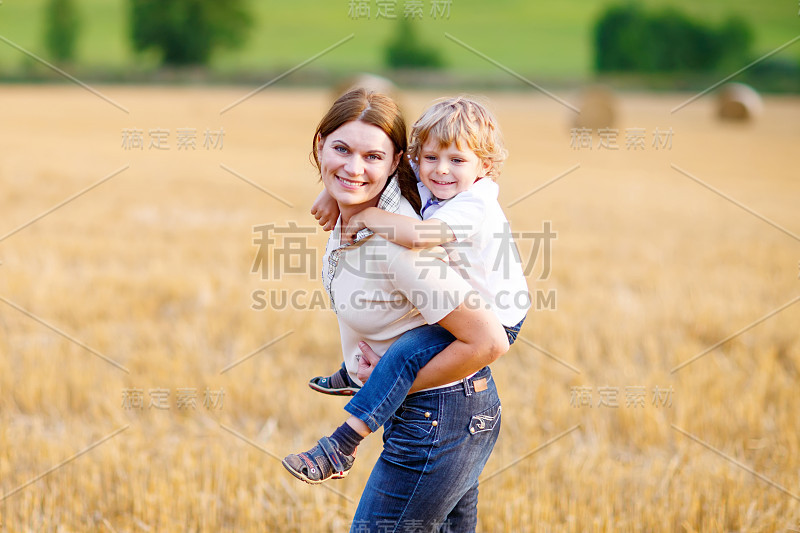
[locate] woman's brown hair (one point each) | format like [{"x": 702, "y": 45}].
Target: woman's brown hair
[{"x": 378, "y": 110}]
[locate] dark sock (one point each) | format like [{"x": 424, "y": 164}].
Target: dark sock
[{"x": 346, "y": 438}]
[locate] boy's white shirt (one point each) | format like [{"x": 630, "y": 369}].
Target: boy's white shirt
[{"x": 484, "y": 252}]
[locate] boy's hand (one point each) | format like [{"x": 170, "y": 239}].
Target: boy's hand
[
  {"x": 325, "y": 210},
  {"x": 357, "y": 223},
  {"x": 366, "y": 363}
]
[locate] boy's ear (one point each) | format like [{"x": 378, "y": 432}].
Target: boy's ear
[{"x": 486, "y": 166}]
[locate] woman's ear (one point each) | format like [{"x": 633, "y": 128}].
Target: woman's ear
[
  {"x": 396, "y": 162},
  {"x": 319, "y": 143}
]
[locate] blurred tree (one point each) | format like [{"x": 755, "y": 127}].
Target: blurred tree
[
  {"x": 627, "y": 38},
  {"x": 185, "y": 32},
  {"x": 405, "y": 50},
  {"x": 61, "y": 29},
  {"x": 737, "y": 38},
  {"x": 679, "y": 43},
  {"x": 619, "y": 31}
]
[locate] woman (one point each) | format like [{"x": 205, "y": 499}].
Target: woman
[{"x": 438, "y": 442}]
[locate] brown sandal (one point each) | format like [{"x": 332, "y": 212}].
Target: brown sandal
[{"x": 321, "y": 462}]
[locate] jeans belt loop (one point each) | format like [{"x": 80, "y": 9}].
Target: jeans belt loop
[{"x": 467, "y": 387}]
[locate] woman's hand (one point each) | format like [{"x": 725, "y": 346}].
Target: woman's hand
[
  {"x": 367, "y": 362},
  {"x": 325, "y": 210}
]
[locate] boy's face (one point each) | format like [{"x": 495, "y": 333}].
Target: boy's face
[{"x": 450, "y": 170}]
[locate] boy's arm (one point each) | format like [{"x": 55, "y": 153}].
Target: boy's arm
[
  {"x": 400, "y": 229},
  {"x": 325, "y": 210}
]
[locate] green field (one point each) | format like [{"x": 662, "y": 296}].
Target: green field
[{"x": 551, "y": 39}]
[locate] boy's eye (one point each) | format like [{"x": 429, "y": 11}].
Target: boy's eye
[
  {"x": 430, "y": 158},
  {"x": 457, "y": 160}
]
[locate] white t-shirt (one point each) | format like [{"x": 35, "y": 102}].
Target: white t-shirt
[
  {"x": 484, "y": 252},
  {"x": 380, "y": 290}
]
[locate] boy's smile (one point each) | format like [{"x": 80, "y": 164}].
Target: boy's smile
[{"x": 449, "y": 170}]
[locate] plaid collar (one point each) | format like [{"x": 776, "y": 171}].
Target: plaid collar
[
  {"x": 390, "y": 197},
  {"x": 389, "y": 201}
]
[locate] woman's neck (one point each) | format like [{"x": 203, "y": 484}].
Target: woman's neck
[{"x": 347, "y": 212}]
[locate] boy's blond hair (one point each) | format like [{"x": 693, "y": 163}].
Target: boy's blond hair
[{"x": 461, "y": 120}]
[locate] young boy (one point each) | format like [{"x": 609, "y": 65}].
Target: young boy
[{"x": 457, "y": 150}]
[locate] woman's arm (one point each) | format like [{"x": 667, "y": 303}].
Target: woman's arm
[
  {"x": 480, "y": 340},
  {"x": 400, "y": 229},
  {"x": 443, "y": 297}
]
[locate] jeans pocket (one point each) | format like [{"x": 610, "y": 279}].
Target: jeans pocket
[
  {"x": 409, "y": 437},
  {"x": 415, "y": 423},
  {"x": 485, "y": 421}
]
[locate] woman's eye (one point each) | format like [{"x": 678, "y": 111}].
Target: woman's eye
[
  {"x": 340, "y": 149},
  {"x": 374, "y": 157}
]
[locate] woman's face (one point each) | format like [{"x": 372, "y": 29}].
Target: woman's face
[{"x": 356, "y": 160}]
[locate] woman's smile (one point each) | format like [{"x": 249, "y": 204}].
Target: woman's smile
[{"x": 351, "y": 183}]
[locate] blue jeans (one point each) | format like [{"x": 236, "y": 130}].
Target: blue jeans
[
  {"x": 435, "y": 447},
  {"x": 514, "y": 331},
  {"x": 392, "y": 377}
]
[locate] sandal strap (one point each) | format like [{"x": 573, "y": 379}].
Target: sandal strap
[
  {"x": 339, "y": 379},
  {"x": 328, "y": 446}
]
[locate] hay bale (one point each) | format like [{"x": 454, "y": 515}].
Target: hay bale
[
  {"x": 740, "y": 102},
  {"x": 371, "y": 82},
  {"x": 598, "y": 106}
]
